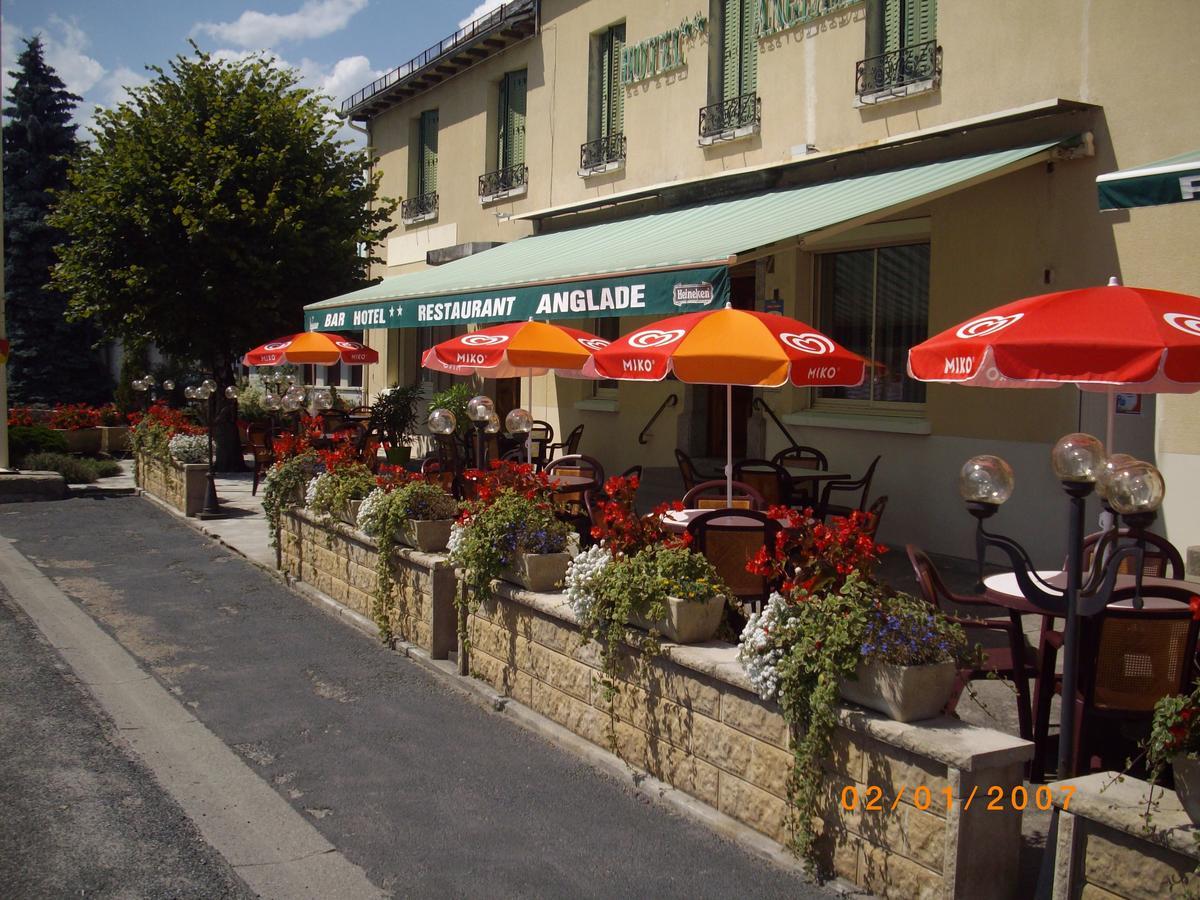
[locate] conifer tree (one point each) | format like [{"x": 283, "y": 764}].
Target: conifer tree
[{"x": 52, "y": 359}]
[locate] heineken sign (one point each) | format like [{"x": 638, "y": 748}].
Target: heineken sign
[{"x": 650, "y": 294}]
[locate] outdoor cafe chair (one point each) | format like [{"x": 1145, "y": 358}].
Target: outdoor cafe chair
[
  {"x": 729, "y": 539},
  {"x": 860, "y": 487},
  {"x": 1129, "y": 660},
  {"x": 575, "y": 506},
  {"x": 541, "y": 436},
  {"x": 715, "y": 495},
  {"x": 875, "y": 515},
  {"x": 690, "y": 474},
  {"x": 259, "y": 437},
  {"x": 799, "y": 457},
  {"x": 1160, "y": 559},
  {"x": 569, "y": 447},
  {"x": 1013, "y": 661},
  {"x": 770, "y": 479}
]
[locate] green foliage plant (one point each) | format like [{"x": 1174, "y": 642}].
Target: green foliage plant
[
  {"x": 283, "y": 488},
  {"x": 329, "y": 494},
  {"x": 384, "y": 515},
  {"x": 250, "y": 399},
  {"x": 75, "y": 469},
  {"x": 455, "y": 398},
  {"x": 493, "y": 535},
  {"x": 394, "y": 413},
  {"x": 26, "y": 439}
]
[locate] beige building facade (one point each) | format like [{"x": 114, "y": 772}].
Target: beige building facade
[{"x": 560, "y": 114}]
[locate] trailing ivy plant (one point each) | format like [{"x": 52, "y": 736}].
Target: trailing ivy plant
[
  {"x": 383, "y": 515},
  {"x": 283, "y": 488},
  {"x": 329, "y": 494},
  {"x": 492, "y": 536}
]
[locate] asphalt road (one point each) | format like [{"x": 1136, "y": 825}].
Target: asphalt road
[{"x": 428, "y": 792}]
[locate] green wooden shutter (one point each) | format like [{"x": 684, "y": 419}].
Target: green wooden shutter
[
  {"x": 427, "y": 174},
  {"x": 731, "y": 49},
  {"x": 614, "y": 105},
  {"x": 891, "y": 25},
  {"x": 606, "y": 86},
  {"x": 502, "y": 126},
  {"x": 512, "y": 120},
  {"x": 920, "y": 21},
  {"x": 749, "y": 48}
]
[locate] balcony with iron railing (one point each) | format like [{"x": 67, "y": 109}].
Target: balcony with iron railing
[
  {"x": 512, "y": 181},
  {"x": 730, "y": 119},
  {"x": 421, "y": 208},
  {"x": 898, "y": 73},
  {"x": 604, "y": 154}
]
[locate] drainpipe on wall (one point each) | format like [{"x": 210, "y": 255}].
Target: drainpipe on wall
[{"x": 369, "y": 149}]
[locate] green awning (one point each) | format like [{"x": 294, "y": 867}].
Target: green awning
[
  {"x": 1174, "y": 180},
  {"x": 658, "y": 264}
]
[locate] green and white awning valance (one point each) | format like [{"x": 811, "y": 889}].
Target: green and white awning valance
[
  {"x": 1174, "y": 180},
  {"x": 658, "y": 264}
]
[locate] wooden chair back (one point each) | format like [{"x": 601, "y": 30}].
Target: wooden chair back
[
  {"x": 769, "y": 479},
  {"x": 875, "y": 514},
  {"x": 1160, "y": 559},
  {"x": 714, "y": 494},
  {"x": 729, "y": 539},
  {"x": 801, "y": 458},
  {"x": 578, "y": 465},
  {"x": 859, "y": 488}
]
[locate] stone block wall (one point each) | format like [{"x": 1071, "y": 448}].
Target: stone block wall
[
  {"x": 341, "y": 561},
  {"x": 692, "y": 719},
  {"x": 180, "y": 486}
]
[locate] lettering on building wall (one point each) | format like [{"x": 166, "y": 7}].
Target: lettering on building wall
[
  {"x": 466, "y": 310},
  {"x": 621, "y": 296},
  {"x": 775, "y": 16},
  {"x": 1189, "y": 187},
  {"x": 660, "y": 54}
]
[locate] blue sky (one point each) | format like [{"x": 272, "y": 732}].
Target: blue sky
[{"x": 100, "y": 47}]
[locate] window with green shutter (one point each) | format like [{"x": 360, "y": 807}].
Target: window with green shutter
[
  {"x": 739, "y": 48},
  {"x": 612, "y": 94},
  {"x": 511, "y": 149},
  {"x": 427, "y": 170},
  {"x": 907, "y": 23}
]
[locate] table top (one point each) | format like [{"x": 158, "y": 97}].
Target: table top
[
  {"x": 803, "y": 474},
  {"x": 677, "y": 520},
  {"x": 568, "y": 482},
  {"x": 1002, "y": 590}
]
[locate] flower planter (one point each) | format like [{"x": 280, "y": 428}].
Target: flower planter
[
  {"x": 427, "y": 535},
  {"x": 903, "y": 693},
  {"x": 1187, "y": 785},
  {"x": 114, "y": 439},
  {"x": 81, "y": 440},
  {"x": 540, "y": 572},
  {"x": 349, "y": 514},
  {"x": 687, "y": 621}
]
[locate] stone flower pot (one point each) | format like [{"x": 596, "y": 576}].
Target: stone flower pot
[
  {"x": 350, "y": 513},
  {"x": 427, "y": 535},
  {"x": 114, "y": 439},
  {"x": 81, "y": 440},
  {"x": 687, "y": 621},
  {"x": 903, "y": 693},
  {"x": 1187, "y": 785},
  {"x": 540, "y": 572}
]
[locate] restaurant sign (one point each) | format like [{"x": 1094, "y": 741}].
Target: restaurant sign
[
  {"x": 649, "y": 294},
  {"x": 660, "y": 54},
  {"x": 775, "y": 16}
]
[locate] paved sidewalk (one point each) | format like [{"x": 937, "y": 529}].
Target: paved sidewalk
[{"x": 425, "y": 790}]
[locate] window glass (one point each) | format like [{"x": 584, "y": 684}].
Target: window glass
[{"x": 608, "y": 328}]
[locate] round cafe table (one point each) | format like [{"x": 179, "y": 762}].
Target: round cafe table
[
  {"x": 1002, "y": 590},
  {"x": 676, "y": 520},
  {"x": 566, "y": 483}
]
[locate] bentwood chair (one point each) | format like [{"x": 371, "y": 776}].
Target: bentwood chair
[
  {"x": 573, "y": 501},
  {"x": 859, "y": 488},
  {"x": 715, "y": 495},
  {"x": 541, "y": 436},
  {"x": 798, "y": 457},
  {"x": 1129, "y": 660},
  {"x": 569, "y": 447},
  {"x": 1014, "y": 660},
  {"x": 875, "y": 515},
  {"x": 1160, "y": 559},
  {"x": 259, "y": 437},
  {"x": 770, "y": 479},
  {"x": 729, "y": 539},
  {"x": 690, "y": 474}
]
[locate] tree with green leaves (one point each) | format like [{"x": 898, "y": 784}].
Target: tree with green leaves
[
  {"x": 52, "y": 359},
  {"x": 209, "y": 209}
]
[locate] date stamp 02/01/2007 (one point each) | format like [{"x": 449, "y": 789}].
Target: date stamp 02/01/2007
[{"x": 874, "y": 798}]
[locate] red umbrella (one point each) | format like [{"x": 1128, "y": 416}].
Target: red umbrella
[
  {"x": 311, "y": 348},
  {"x": 1099, "y": 339}
]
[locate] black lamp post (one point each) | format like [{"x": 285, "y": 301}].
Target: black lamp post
[
  {"x": 482, "y": 413},
  {"x": 1132, "y": 489},
  {"x": 203, "y": 395},
  {"x": 519, "y": 421}
]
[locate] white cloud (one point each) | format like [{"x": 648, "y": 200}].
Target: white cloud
[
  {"x": 63, "y": 45},
  {"x": 481, "y": 10},
  {"x": 316, "y": 18},
  {"x": 341, "y": 79}
]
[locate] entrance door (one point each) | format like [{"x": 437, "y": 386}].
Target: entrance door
[{"x": 741, "y": 293}]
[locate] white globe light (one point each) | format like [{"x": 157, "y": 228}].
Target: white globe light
[
  {"x": 442, "y": 421},
  {"x": 986, "y": 479},
  {"x": 209, "y": 385},
  {"x": 1136, "y": 487},
  {"x": 480, "y": 408},
  {"x": 322, "y": 399},
  {"x": 189, "y": 393},
  {"x": 518, "y": 421},
  {"x": 149, "y": 381},
  {"x": 493, "y": 424},
  {"x": 290, "y": 379},
  {"x": 1078, "y": 458},
  {"x": 1111, "y": 464},
  {"x": 290, "y": 403},
  {"x": 168, "y": 385},
  {"x": 231, "y": 392},
  {"x": 271, "y": 402}
]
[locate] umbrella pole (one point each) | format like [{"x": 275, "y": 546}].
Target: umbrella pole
[
  {"x": 1111, "y": 430},
  {"x": 729, "y": 445},
  {"x": 1066, "y": 729}
]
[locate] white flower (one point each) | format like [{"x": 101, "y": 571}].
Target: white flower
[
  {"x": 310, "y": 493},
  {"x": 456, "y": 537},
  {"x": 371, "y": 508},
  {"x": 580, "y": 573},
  {"x": 757, "y": 651},
  {"x": 189, "y": 448}
]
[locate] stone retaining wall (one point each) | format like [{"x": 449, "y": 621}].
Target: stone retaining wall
[
  {"x": 181, "y": 486},
  {"x": 341, "y": 561},
  {"x": 692, "y": 719}
]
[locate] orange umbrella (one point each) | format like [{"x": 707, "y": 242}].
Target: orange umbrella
[
  {"x": 515, "y": 349},
  {"x": 314, "y": 348}
]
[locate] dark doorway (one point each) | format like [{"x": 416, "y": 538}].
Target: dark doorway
[{"x": 741, "y": 292}]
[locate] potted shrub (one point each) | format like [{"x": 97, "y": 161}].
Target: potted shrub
[
  {"x": 514, "y": 537},
  {"x": 910, "y": 654},
  {"x": 1175, "y": 742},
  {"x": 394, "y": 416},
  {"x": 337, "y": 493},
  {"x": 188, "y": 449},
  {"x": 283, "y": 487},
  {"x": 80, "y": 425},
  {"x": 114, "y": 430},
  {"x": 455, "y": 399}
]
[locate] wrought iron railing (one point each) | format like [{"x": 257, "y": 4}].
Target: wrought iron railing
[
  {"x": 471, "y": 30},
  {"x": 419, "y": 207},
  {"x": 890, "y": 71},
  {"x": 602, "y": 151},
  {"x": 492, "y": 183},
  {"x": 672, "y": 400},
  {"x": 730, "y": 115}
]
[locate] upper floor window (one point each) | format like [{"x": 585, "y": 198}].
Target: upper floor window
[
  {"x": 734, "y": 109},
  {"x": 511, "y": 176},
  {"x": 423, "y": 204},
  {"x": 902, "y": 53},
  {"x": 605, "y": 148},
  {"x": 876, "y": 303}
]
